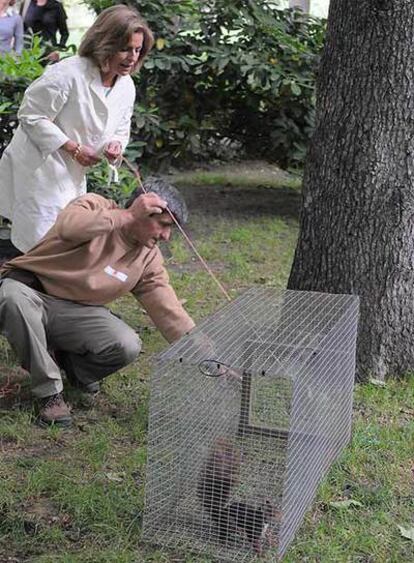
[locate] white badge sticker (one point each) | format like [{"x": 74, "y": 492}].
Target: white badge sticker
[{"x": 116, "y": 274}]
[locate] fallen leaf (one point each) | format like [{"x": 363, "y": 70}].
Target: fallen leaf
[
  {"x": 407, "y": 532},
  {"x": 117, "y": 477},
  {"x": 345, "y": 503},
  {"x": 377, "y": 382}
]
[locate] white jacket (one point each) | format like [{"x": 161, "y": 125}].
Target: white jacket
[{"x": 37, "y": 179}]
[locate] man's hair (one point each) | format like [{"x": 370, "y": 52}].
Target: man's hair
[
  {"x": 111, "y": 32},
  {"x": 166, "y": 191}
]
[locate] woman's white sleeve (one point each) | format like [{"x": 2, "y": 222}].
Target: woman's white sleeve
[
  {"x": 123, "y": 130},
  {"x": 42, "y": 102}
]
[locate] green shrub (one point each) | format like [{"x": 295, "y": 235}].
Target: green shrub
[
  {"x": 16, "y": 73},
  {"x": 226, "y": 75},
  {"x": 97, "y": 180}
]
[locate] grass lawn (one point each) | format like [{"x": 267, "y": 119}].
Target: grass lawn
[{"x": 77, "y": 495}]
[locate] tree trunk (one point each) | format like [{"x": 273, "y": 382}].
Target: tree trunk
[
  {"x": 357, "y": 224},
  {"x": 303, "y": 4}
]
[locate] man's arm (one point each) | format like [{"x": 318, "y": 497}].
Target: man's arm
[
  {"x": 87, "y": 217},
  {"x": 92, "y": 215},
  {"x": 160, "y": 301}
]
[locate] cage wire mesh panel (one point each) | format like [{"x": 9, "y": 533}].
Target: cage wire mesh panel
[{"x": 247, "y": 413}]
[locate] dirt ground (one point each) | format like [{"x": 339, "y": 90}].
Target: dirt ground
[{"x": 232, "y": 201}]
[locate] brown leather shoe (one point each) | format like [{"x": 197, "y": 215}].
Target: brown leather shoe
[{"x": 54, "y": 410}]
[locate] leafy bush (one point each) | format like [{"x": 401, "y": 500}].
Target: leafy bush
[
  {"x": 16, "y": 74},
  {"x": 97, "y": 181},
  {"x": 226, "y": 74}
]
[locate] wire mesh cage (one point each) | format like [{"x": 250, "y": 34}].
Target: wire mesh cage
[{"x": 247, "y": 413}]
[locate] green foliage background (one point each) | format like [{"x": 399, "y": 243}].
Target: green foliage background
[
  {"x": 224, "y": 79},
  {"x": 16, "y": 74}
]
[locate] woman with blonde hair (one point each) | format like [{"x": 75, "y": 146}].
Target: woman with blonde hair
[{"x": 76, "y": 113}]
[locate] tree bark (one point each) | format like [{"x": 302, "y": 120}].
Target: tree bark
[
  {"x": 303, "y": 4},
  {"x": 356, "y": 233}
]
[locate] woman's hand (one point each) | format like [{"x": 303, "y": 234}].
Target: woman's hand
[
  {"x": 84, "y": 155},
  {"x": 53, "y": 57},
  {"x": 87, "y": 156},
  {"x": 113, "y": 151}
]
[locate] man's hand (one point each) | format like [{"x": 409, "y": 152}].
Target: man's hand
[
  {"x": 113, "y": 151},
  {"x": 146, "y": 205},
  {"x": 142, "y": 208},
  {"x": 204, "y": 345}
]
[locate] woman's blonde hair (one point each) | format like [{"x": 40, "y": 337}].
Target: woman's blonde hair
[{"x": 111, "y": 32}]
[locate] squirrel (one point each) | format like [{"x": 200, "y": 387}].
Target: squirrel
[
  {"x": 253, "y": 521},
  {"x": 218, "y": 477}
]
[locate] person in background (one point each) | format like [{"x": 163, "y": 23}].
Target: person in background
[
  {"x": 51, "y": 299},
  {"x": 76, "y": 113},
  {"x": 11, "y": 29},
  {"x": 46, "y": 18}
]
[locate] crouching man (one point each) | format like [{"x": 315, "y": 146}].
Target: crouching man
[{"x": 52, "y": 298}]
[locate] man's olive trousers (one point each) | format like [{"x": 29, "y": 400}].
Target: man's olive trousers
[{"x": 96, "y": 342}]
